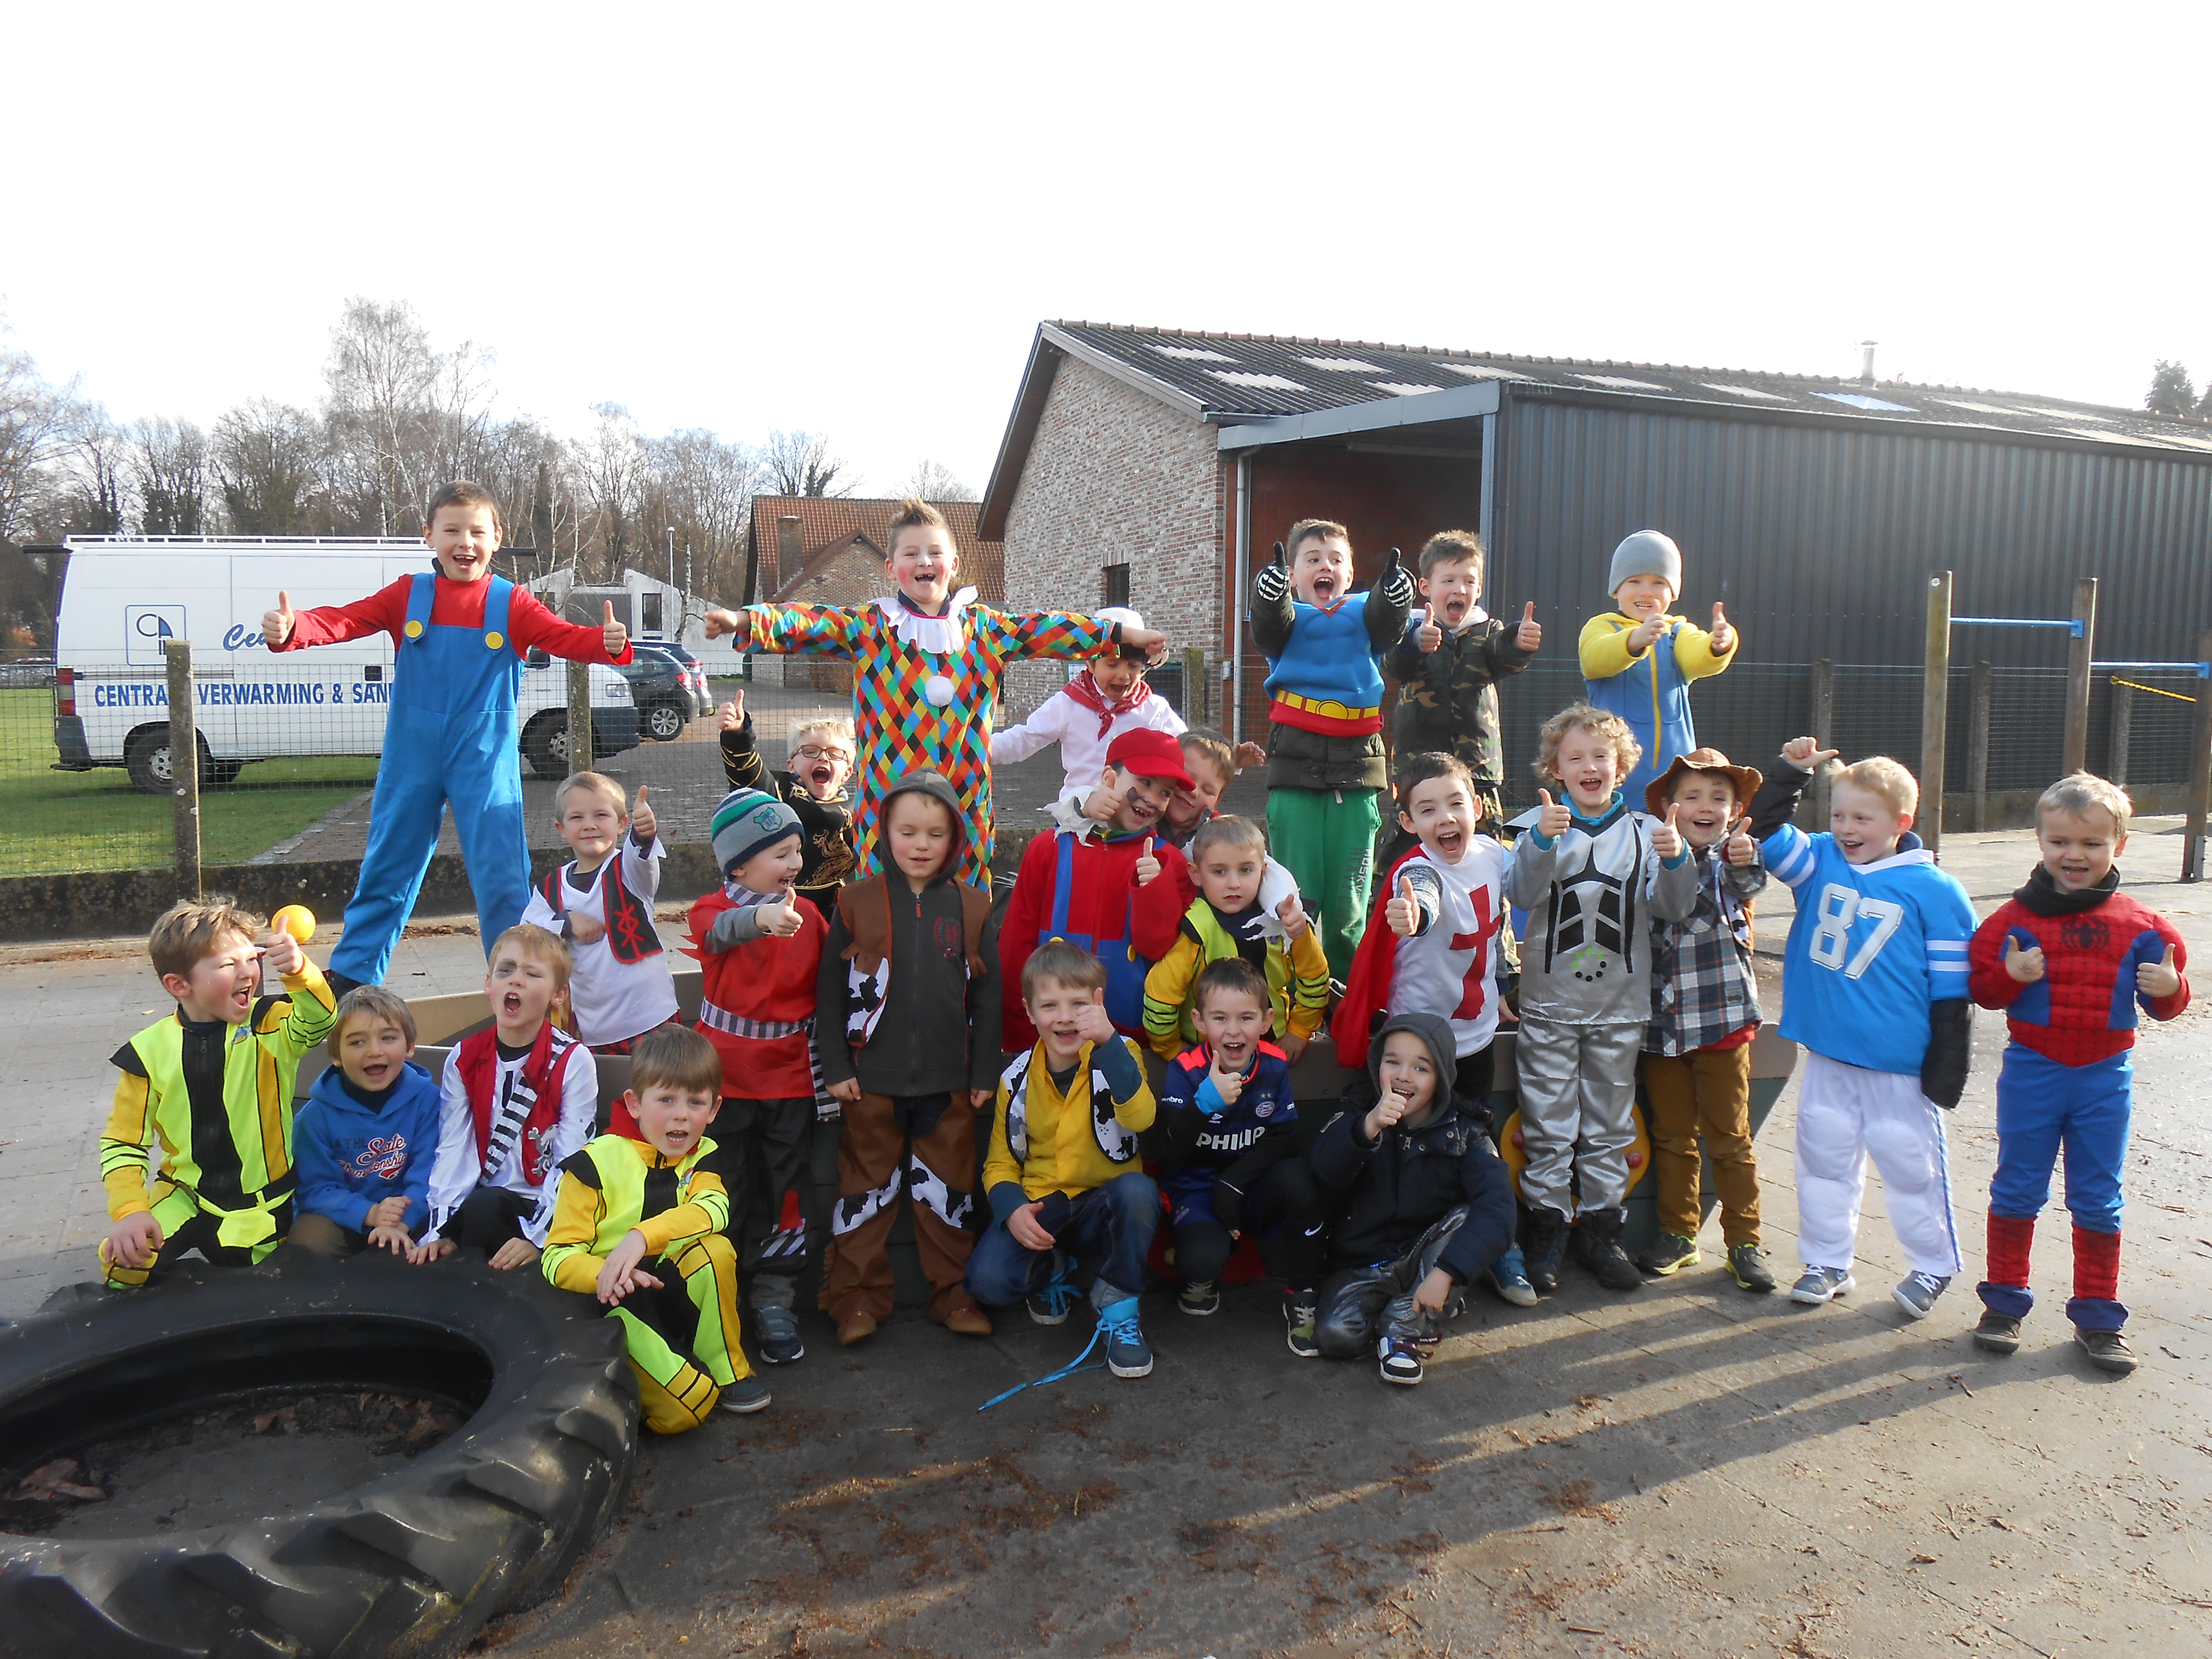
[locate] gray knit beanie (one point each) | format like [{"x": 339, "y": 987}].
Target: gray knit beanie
[
  {"x": 747, "y": 822},
  {"x": 1647, "y": 553}
]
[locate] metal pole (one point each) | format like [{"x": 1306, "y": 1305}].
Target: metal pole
[
  {"x": 2123, "y": 714},
  {"x": 1978, "y": 740},
  {"x": 1237, "y": 600},
  {"x": 580, "y": 717},
  {"x": 183, "y": 763},
  {"x": 2080, "y": 652},
  {"x": 1195, "y": 686},
  {"x": 1935, "y": 713},
  {"x": 1824, "y": 722},
  {"x": 2200, "y": 771}
]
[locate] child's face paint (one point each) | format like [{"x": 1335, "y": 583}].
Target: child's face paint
[
  {"x": 1145, "y": 802},
  {"x": 371, "y": 1051},
  {"x": 673, "y": 1121},
  {"x": 2077, "y": 851},
  {"x": 521, "y": 988},
  {"x": 924, "y": 563},
  {"x": 1590, "y": 767},
  {"x": 463, "y": 539},
  {"x": 1234, "y": 1025}
]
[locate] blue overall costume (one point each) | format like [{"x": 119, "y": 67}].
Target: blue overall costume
[{"x": 450, "y": 737}]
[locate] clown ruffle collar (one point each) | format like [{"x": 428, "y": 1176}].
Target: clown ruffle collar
[{"x": 943, "y": 634}]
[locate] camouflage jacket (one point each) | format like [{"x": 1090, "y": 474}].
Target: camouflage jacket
[{"x": 1447, "y": 697}]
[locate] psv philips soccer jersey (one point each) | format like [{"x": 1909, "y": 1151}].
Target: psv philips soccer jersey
[{"x": 1872, "y": 947}]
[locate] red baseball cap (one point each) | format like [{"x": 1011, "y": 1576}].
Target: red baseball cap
[{"x": 1150, "y": 754}]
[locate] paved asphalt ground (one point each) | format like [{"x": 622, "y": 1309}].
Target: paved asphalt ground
[{"x": 1686, "y": 1470}]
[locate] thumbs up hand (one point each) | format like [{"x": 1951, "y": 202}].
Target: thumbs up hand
[
  {"x": 1293, "y": 917},
  {"x": 1148, "y": 867},
  {"x": 1428, "y": 637},
  {"x": 642, "y": 824},
  {"x": 1403, "y": 912},
  {"x": 779, "y": 917},
  {"x": 1530, "y": 635},
  {"x": 1554, "y": 819},
  {"x": 1395, "y": 587},
  {"x": 1666, "y": 839},
  {"x": 1806, "y": 755},
  {"x": 277, "y": 625},
  {"x": 612, "y": 633},
  {"x": 2160, "y": 979},
  {"x": 1741, "y": 850},
  {"x": 733, "y": 712},
  {"x": 1227, "y": 1083},
  {"x": 1723, "y": 636},
  {"x": 2027, "y": 966},
  {"x": 1273, "y": 581}
]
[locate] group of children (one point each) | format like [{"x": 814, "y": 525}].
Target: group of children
[{"x": 1129, "y": 1015}]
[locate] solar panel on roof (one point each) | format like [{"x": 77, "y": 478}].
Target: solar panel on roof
[
  {"x": 1342, "y": 365},
  {"x": 1403, "y": 388},
  {"x": 1258, "y": 382},
  {"x": 1861, "y": 400},
  {"x": 1193, "y": 354},
  {"x": 1743, "y": 390},
  {"x": 1620, "y": 383}
]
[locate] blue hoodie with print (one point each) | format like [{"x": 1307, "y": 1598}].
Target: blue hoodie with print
[{"x": 352, "y": 1155}]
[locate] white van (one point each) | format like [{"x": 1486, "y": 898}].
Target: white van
[{"x": 122, "y": 595}]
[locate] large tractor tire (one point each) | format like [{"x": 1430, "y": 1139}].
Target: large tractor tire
[{"x": 411, "y": 1563}]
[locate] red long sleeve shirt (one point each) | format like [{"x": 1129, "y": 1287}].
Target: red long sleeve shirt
[
  {"x": 1105, "y": 891},
  {"x": 530, "y": 625},
  {"x": 2083, "y": 1008}
]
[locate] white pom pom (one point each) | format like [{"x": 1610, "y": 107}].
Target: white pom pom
[{"x": 939, "y": 690}]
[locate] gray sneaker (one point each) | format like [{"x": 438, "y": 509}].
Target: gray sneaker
[
  {"x": 1748, "y": 1263},
  {"x": 1821, "y": 1285},
  {"x": 1916, "y": 1293}
]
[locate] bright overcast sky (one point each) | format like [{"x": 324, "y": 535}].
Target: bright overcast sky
[{"x": 851, "y": 219}]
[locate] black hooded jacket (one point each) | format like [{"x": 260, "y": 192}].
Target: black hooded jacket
[{"x": 1395, "y": 1188}]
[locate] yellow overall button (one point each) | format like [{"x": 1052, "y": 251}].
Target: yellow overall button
[
  {"x": 493, "y": 639},
  {"x": 413, "y": 629}
]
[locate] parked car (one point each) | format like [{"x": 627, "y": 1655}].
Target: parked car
[{"x": 669, "y": 686}]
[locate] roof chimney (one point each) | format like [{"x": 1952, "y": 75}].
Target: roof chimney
[
  {"x": 790, "y": 554},
  {"x": 1866, "y": 361}
]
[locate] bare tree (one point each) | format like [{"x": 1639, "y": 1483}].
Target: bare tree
[
  {"x": 933, "y": 481},
  {"x": 266, "y": 456},
  {"x": 614, "y": 472},
  {"x": 381, "y": 376},
  {"x": 800, "y": 464},
  {"x": 169, "y": 466},
  {"x": 36, "y": 423},
  {"x": 702, "y": 489},
  {"x": 93, "y": 488}
]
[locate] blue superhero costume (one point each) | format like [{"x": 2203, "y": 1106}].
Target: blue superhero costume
[{"x": 449, "y": 737}]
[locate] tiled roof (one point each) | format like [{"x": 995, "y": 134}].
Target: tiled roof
[
  {"x": 828, "y": 524},
  {"x": 1238, "y": 377}
]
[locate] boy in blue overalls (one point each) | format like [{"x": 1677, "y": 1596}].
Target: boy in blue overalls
[{"x": 450, "y": 734}]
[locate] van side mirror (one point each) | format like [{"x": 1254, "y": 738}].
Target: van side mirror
[{"x": 538, "y": 658}]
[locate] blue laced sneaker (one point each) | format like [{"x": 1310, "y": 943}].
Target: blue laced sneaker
[
  {"x": 1509, "y": 1277},
  {"x": 1048, "y": 1304},
  {"x": 1127, "y": 1354}
]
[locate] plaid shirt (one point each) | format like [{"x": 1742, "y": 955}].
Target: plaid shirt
[{"x": 1702, "y": 984}]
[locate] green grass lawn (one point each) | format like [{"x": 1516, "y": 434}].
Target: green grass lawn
[{"x": 58, "y": 823}]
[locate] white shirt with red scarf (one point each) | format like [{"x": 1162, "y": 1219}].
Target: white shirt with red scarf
[
  {"x": 1084, "y": 724},
  {"x": 526, "y": 1163},
  {"x": 616, "y": 995}
]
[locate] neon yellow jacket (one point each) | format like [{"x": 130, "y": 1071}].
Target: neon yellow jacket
[
  {"x": 1649, "y": 689},
  {"x": 1297, "y": 981},
  {"x": 615, "y": 1186}
]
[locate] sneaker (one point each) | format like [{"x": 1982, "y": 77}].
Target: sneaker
[
  {"x": 1916, "y": 1293},
  {"x": 1749, "y": 1265},
  {"x": 1667, "y": 1254},
  {"x": 2108, "y": 1351},
  {"x": 1998, "y": 1333},
  {"x": 1821, "y": 1285},
  {"x": 1597, "y": 1242},
  {"x": 744, "y": 1396},
  {"x": 1547, "y": 1244},
  {"x": 1200, "y": 1298},
  {"x": 1401, "y": 1360},
  {"x": 1509, "y": 1277},
  {"x": 1127, "y": 1354},
  {"x": 1048, "y": 1304},
  {"x": 775, "y": 1328},
  {"x": 1301, "y": 1312}
]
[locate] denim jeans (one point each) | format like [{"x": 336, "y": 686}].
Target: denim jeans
[{"x": 1117, "y": 1218}]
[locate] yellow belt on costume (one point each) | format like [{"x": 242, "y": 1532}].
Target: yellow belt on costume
[
  {"x": 240, "y": 1230},
  {"x": 1324, "y": 715}
]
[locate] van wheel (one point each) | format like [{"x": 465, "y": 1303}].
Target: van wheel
[
  {"x": 412, "y": 1562},
  {"x": 545, "y": 744},
  {"x": 665, "y": 721},
  {"x": 146, "y": 758}
]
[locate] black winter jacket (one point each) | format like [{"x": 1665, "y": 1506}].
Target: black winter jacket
[{"x": 1395, "y": 1190}]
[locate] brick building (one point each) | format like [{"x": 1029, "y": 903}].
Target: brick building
[
  {"x": 1161, "y": 466},
  {"x": 815, "y": 549}
]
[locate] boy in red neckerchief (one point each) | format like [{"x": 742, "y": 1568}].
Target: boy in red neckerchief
[
  {"x": 601, "y": 905},
  {"x": 2070, "y": 958},
  {"x": 449, "y": 733},
  {"x": 515, "y": 1100},
  {"x": 759, "y": 946},
  {"x": 1085, "y": 716},
  {"x": 1112, "y": 888}
]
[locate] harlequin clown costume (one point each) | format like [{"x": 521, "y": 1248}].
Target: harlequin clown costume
[
  {"x": 449, "y": 737},
  {"x": 925, "y": 691},
  {"x": 2066, "y": 1078}
]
